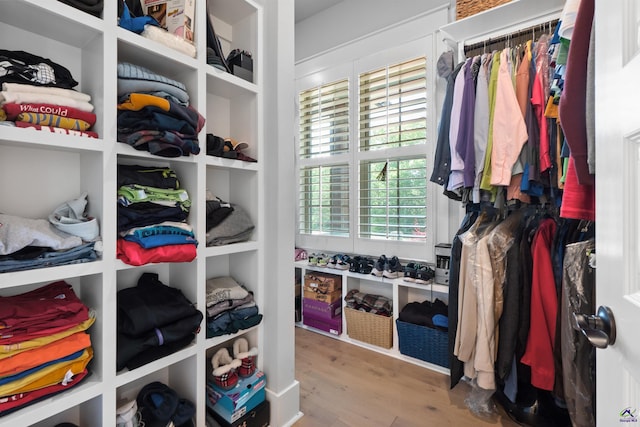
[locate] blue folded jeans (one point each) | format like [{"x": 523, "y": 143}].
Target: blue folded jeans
[{"x": 77, "y": 255}]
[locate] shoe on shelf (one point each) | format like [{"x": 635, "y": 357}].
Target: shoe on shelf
[
  {"x": 225, "y": 373},
  {"x": 323, "y": 260},
  {"x": 425, "y": 275},
  {"x": 313, "y": 259},
  {"x": 392, "y": 268},
  {"x": 343, "y": 262},
  {"x": 378, "y": 266},
  {"x": 246, "y": 356},
  {"x": 333, "y": 261},
  {"x": 354, "y": 264},
  {"x": 410, "y": 271},
  {"x": 365, "y": 265}
]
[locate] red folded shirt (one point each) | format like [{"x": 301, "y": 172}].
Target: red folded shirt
[
  {"x": 133, "y": 254},
  {"x": 13, "y": 110}
]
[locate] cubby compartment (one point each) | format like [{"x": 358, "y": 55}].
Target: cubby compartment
[
  {"x": 237, "y": 25},
  {"x": 152, "y": 51},
  {"x": 171, "y": 65},
  {"x": 187, "y": 176},
  {"x": 181, "y": 276},
  {"x": 81, "y": 397},
  {"x": 409, "y": 292},
  {"x": 68, "y": 37},
  {"x": 87, "y": 412},
  {"x": 239, "y": 188},
  {"x": 241, "y": 267},
  {"x": 34, "y": 183},
  {"x": 178, "y": 376},
  {"x": 33, "y": 188},
  {"x": 232, "y": 112},
  {"x": 369, "y": 285},
  {"x": 158, "y": 58}
]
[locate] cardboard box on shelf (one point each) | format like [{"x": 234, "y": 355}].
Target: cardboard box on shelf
[
  {"x": 321, "y": 310},
  {"x": 260, "y": 416},
  {"x": 333, "y": 326},
  {"x": 322, "y": 282},
  {"x": 328, "y": 297},
  {"x": 175, "y": 16},
  {"x": 233, "y": 404}
]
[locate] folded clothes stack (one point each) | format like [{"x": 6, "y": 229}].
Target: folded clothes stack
[
  {"x": 154, "y": 320},
  {"x": 154, "y": 114},
  {"x": 152, "y": 213},
  {"x": 230, "y": 307},
  {"x": 227, "y": 223},
  {"x": 37, "y": 93},
  {"x": 44, "y": 349},
  {"x": 68, "y": 237}
]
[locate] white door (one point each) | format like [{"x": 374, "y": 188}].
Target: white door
[{"x": 618, "y": 206}]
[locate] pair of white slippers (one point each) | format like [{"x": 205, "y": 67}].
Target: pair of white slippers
[{"x": 226, "y": 369}]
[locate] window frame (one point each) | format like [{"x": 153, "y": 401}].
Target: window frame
[{"x": 354, "y": 244}]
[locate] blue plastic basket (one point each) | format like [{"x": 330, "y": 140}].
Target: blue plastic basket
[{"x": 420, "y": 342}]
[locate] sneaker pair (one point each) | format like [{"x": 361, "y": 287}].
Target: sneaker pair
[
  {"x": 318, "y": 260},
  {"x": 227, "y": 370},
  {"x": 410, "y": 272},
  {"x": 424, "y": 274},
  {"x": 392, "y": 268},
  {"x": 323, "y": 260},
  {"x": 339, "y": 262},
  {"x": 359, "y": 264}
]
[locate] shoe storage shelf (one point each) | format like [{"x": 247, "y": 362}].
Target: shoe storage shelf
[
  {"x": 399, "y": 291},
  {"x": 41, "y": 170}
]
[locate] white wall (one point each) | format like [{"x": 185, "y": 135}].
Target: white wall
[{"x": 353, "y": 19}]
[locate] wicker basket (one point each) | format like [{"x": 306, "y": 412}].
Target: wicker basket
[
  {"x": 428, "y": 344},
  {"x": 370, "y": 328},
  {"x": 466, "y": 8}
]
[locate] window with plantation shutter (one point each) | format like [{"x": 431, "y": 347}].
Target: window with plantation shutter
[
  {"x": 393, "y": 195},
  {"x": 364, "y": 142},
  {"x": 324, "y": 120},
  {"x": 393, "y": 106},
  {"x": 324, "y": 200}
]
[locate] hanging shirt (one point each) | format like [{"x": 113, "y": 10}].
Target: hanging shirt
[
  {"x": 485, "y": 183},
  {"x": 456, "y": 177},
  {"x": 442, "y": 160},
  {"x": 480, "y": 124},
  {"x": 475, "y": 343},
  {"x": 509, "y": 129},
  {"x": 544, "y": 310},
  {"x": 465, "y": 144},
  {"x": 573, "y": 98},
  {"x": 522, "y": 79}
]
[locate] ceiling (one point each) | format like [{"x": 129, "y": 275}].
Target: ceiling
[{"x": 307, "y": 8}]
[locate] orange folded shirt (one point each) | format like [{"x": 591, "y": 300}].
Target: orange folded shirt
[{"x": 40, "y": 355}]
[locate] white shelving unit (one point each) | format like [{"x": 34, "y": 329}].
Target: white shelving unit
[
  {"x": 399, "y": 291},
  {"x": 38, "y": 171}
]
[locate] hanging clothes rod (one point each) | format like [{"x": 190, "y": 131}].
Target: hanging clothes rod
[{"x": 516, "y": 37}]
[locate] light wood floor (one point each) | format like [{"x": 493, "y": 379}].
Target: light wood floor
[{"x": 346, "y": 385}]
